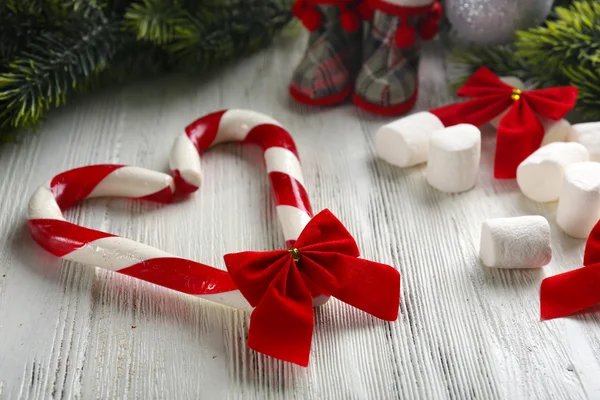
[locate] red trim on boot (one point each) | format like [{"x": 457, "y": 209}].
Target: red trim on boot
[
  {"x": 331, "y": 2},
  {"x": 398, "y": 10},
  {"x": 397, "y": 109},
  {"x": 322, "y": 101}
]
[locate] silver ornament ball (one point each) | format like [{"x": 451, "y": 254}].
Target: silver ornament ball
[{"x": 493, "y": 22}]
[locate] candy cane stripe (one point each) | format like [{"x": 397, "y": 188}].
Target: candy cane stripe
[
  {"x": 282, "y": 160},
  {"x": 289, "y": 192},
  {"x": 269, "y": 136},
  {"x": 182, "y": 275},
  {"x": 62, "y": 238},
  {"x": 88, "y": 178}
]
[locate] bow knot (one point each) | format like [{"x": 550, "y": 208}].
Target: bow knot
[
  {"x": 295, "y": 254},
  {"x": 516, "y": 94},
  {"x": 520, "y": 131},
  {"x": 281, "y": 284}
]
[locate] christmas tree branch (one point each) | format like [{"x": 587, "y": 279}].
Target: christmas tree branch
[{"x": 51, "y": 50}]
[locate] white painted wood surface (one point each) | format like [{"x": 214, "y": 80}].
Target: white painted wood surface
[{"x": 465, "y": 331}]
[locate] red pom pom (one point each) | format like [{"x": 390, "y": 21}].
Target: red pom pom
[
  {"x": 350, "y": 20},
  {"x": 436, "y": 10},
  {"x": 298, "y": 8},
  {"x": 365, "y": 11},
  {"x": 405, "y": 37},
  {"x": 429, "y": 28},
  {"x": 311, "y": 18}
]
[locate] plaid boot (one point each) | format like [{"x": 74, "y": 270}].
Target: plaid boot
[
  {"x": 388, "y": 81},
  {"x": 327, "y": 72}
]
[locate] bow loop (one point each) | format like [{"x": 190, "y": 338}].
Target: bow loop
[
  {"x": 258, "y": 269},
  {"x": 280, "y": 284},
  {"x": 484, "y": 83},
  {"x": 326, "y": 233},
  {"x": 552, "y": 103}
]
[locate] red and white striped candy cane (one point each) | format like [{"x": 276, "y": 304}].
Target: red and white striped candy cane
[{"x": 76, "y": 243}]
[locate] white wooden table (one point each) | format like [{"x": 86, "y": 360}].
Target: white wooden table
[{"x": 465, "y": 331}]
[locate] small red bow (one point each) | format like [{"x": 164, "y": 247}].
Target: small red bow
[
  {"x": 573, "y": 291},
  {"x": 520, "y": 132},
  {"x": 280, "y": 285}
]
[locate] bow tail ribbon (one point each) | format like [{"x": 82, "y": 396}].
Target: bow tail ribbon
[
  {"x": 567, "y": 293},
  {"x": 281, "y": 288},
  {"x": 520, "y": 133}
]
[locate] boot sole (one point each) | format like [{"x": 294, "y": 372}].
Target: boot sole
[
  {"x": 331, "y": 100},
  {"x": 397, "y": 109}
]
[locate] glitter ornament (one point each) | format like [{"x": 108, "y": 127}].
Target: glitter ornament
[{"x": 493, "y": 22}]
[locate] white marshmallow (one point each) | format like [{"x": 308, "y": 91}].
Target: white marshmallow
[
  {"x": 454, "y": 155},
  {"x": 518, "y": 242},
  {"x": 556, "y": 131},
  {"x": 540, "y": 176},
  {"x": 514, "y": 82},
  {"x": 579, "y": 203},
  {"x": 405, "y": 142},
  {"x": 588, "y": 134}
]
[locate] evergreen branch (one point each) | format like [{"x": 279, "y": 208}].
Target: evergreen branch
[
  {"x": 155, "y": 20},
  {"x": 499, "y": 59},
  {"x": 573, "y": 39},
  {"x": 54, "y": 66},
  {"x": 588, "y": 83},
  {"x": 218, "y": 34},
  {"x": 51, "y": 50}
]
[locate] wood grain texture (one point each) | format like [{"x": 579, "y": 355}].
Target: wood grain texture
[{"x": 465, "y": 331}]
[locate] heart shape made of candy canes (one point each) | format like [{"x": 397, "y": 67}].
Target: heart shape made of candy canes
[{"x": 279, "y": 287}]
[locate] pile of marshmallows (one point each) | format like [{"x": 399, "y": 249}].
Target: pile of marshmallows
[{"x": 565, "y": 169}]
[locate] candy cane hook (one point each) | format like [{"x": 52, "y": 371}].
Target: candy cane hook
[
  {"x": 76, "y": 243},
  {"x": 281, "y": 157}
]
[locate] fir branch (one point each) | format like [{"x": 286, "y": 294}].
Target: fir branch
[
  {"x": 588, "y": 82},
  {"x": 51, "y": 50},
  {"x": 465, "y": 61},
  {"x": 218, "y": 34},
  {"x": 573, "y": 39},
  {"x": 54, "y": 66},
  {"x": 155, "y": 20}
]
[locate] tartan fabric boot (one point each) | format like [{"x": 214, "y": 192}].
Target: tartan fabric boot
[
  {"x": 326, "y": 74},
  {"x": 388, "y": 81}
]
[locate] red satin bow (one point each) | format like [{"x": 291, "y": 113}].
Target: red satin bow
[
  {"x": 520, "y": 132},
  {"x": 573, "y": 291},
  {"x": 280, "y": 285}
]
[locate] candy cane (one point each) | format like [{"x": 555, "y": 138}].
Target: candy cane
[{"x": 76, "y": 243}]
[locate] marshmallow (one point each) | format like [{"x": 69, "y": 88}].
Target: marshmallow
[
  {"x": 588, "y": 134},
  {"x": 579, "y": 203},
  {"x": 454, "y": 155},
  {"x": 540, "y": 176},
  {"x": 405, "y": 142},
  {"x": 556, "y": 131},
  {"x": 519, "y": 242}
]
